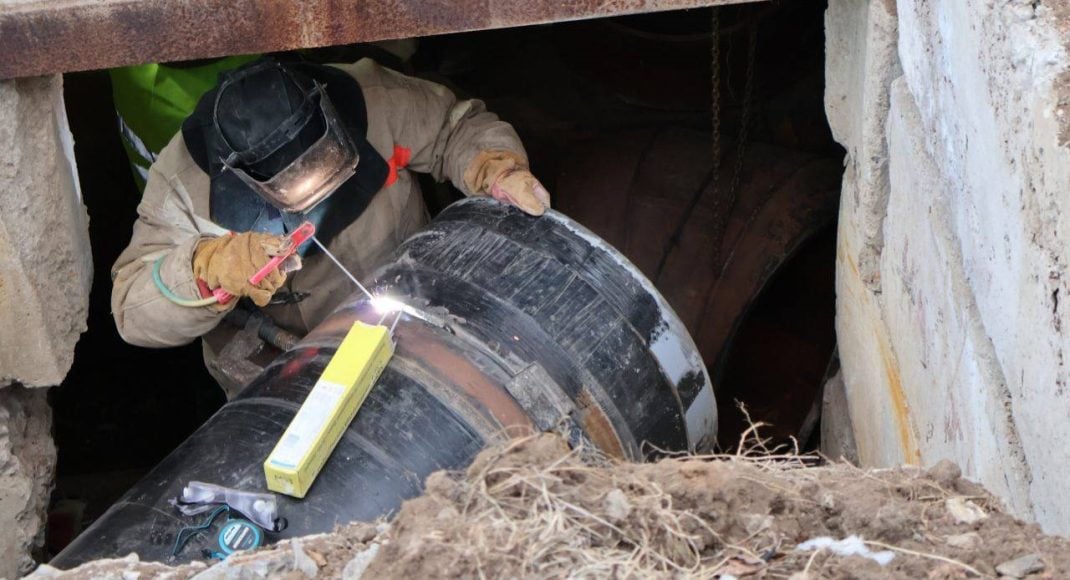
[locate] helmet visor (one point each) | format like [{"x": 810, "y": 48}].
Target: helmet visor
[{"x": 315, "y": 174}]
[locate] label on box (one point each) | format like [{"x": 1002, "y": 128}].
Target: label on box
[{"x": 305, "y": 428}]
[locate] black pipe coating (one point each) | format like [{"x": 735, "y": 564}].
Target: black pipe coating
[{"x": 511, "y": 324}]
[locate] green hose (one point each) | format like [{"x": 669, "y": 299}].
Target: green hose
[{"x": 188, "y": 303}]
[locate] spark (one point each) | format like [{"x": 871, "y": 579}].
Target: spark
[{"x": 386, "y": 305}]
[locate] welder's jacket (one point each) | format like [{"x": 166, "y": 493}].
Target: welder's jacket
[{"x": 442, "y": 136}]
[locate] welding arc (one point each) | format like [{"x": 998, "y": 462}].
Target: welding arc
[{"x": 342, "y": 268}]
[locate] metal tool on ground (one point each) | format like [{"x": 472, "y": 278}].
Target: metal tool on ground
[
  {"x": 248, "y": 516},
  {"x": 234, "y": 535},
  {"x": 237, "y": 535}
]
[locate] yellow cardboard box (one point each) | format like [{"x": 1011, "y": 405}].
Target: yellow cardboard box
[{"x": 329, "y": 408}]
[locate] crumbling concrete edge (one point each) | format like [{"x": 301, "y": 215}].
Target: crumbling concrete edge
[
  {"x": 46, "y": 272},
  {"x": 45, "y": 260},
  {"x": 861, "y": 62},
  {"x": 27, "y": 464},
  {"x": 858, "y": 74}
]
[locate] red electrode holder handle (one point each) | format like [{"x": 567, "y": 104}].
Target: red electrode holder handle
[{"x": 294, "y": 240}]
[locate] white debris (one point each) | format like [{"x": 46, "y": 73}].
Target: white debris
[
  {"x": 303, "y": 563},
  {"x": 849, "y": 546},
  {"x": 356, "y": 567},
  {"x": 965, "y": 511},
  {"x": 1021, "y": 567},
  {"x": 45, "y": 571},
  {"x": 967, "y": 541},
  {"x": 264, "y": 564},
  {"x": 617, "y": 505}
]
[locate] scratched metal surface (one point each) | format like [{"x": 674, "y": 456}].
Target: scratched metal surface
[{"x": 45, "y": 36}]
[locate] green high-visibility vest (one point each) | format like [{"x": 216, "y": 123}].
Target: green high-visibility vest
[{"x": 152, "y": 100}]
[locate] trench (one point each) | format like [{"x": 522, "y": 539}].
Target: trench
[{"x": 616, "y": 117}]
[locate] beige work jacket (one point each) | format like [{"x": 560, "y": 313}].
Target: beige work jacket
[{"x": 443, "y": 134}]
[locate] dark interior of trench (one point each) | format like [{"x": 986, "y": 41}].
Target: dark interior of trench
[{"x": 616, "y": 117}]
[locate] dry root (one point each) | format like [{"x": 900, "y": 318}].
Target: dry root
[{"x": 535, "y": 508}]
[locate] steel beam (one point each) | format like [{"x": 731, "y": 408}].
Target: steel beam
[{"x": 51, "y": 36}]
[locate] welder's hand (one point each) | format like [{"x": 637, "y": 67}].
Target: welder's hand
[
  {"x": 520, "y": 188},
  {"x": 228, "y": 262},
  {"x": 504, "y": 176}
]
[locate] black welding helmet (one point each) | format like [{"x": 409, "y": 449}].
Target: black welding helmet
[
  {"x": 282, "y": 134},
  {"x": 285, "y": 139}
]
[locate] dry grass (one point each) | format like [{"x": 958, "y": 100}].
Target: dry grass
[
  {"x": 534, "y": 508},
  {"x": 533, "y": 512},
  {"x": 586, "y": 515}
]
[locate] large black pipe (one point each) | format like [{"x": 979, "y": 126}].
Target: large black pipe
[{"x": 513, "y": 324}]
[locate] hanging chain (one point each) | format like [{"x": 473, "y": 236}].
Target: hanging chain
[
  {"x": 724, "y": 205},
  {"x": 721, "y": 214},
  {"x": 745, "y": 111},
  {"x": 715, "y": 97},
  {"x": 713, "y": 177}
]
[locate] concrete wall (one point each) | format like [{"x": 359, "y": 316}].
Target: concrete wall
[
  {"x": 46, "y": 267},
  {"x": 45, "y": 276},
  {"x": 952, "y": 259},
  {"x": 27, "y": 461}
]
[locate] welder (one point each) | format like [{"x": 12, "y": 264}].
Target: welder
[{"x": 278, "y": 142}]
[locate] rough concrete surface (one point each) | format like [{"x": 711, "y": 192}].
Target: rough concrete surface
[
  {"x": 861, "y": 62},
  {"x": 27, "y": 462},
  {"x": 984, "y": 77},
  {"x": 962, "y": 337},
  {"x": 837, "y": 435},
  {"x": 946, "y": 361},
  {"x": 45, "y": 263}
]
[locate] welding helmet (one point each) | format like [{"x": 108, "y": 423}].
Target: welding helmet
[{"x": 281, "y": 136}]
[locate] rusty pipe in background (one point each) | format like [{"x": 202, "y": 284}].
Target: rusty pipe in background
[{"x": 510, "y": 324}]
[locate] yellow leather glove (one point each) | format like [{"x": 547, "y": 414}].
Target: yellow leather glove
[
  {"x": 504, "y": 176},
  {"x": 228, "y": 262}
]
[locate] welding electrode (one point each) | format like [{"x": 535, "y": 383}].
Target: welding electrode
[{"x": 342, "y": 268}]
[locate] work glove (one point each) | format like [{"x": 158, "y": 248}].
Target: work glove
[
  {"x": 228, "y": 262},
  {"x": 504, "y": 176}
]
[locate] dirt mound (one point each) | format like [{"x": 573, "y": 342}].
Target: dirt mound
[{"x": 534, "y": 508}]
